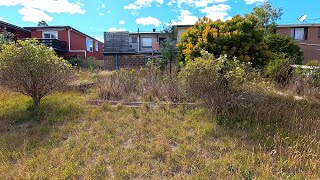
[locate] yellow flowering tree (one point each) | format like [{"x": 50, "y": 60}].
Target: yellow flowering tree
[
  {"x": 237, "y": 37},
  {"x": 32, "y": 69}
]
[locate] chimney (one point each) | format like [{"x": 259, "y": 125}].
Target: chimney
[{"x": 154, "y": 29}]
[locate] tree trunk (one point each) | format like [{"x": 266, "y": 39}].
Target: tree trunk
[{"x": 36, "y": 102}]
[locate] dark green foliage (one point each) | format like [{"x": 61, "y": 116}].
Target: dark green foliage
[
  {"x": 42, "y": 23},
  {"x": 284, "y": 44},
  {"x": 279, "y": 69},
  {"x": 6, "y": 37},
  {"x": 87, "y": 63}
]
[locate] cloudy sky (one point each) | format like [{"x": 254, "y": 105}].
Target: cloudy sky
[{"x": 96, "y": 16}]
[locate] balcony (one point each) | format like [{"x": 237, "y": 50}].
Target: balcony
[{"x": 56, "y": 44}]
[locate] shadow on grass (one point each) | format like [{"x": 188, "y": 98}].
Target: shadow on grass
[{"x": 24, "y": 130}]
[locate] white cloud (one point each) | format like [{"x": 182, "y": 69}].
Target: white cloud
[
  {"x": 186, "y": 18},
  {"x": 196, "y": 3},
  {"x": 216, "y": 12},
  {"x": 100, "y": 14},
  {"x": 34, "y": 15},
  {"x": 122, "y": 22},
  {"x": 3, "y": 19},
  {"x": 99, "y": 38},
  {"x": 142, "y": 3},
  {"x": 103, "y": 5},
  {"x": 254, "y": 1},
  {"x": 42, "y": 7},
  {"x": 148, "y": 21},
  {"x": 113, "y": 29}
]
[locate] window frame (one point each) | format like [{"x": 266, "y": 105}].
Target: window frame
[
  {"x": 88, "y": 49},
  {"x": 97, "y": 46},
  {"x": 305, "y": 33},
  {"x": 147, "y": 46},
  {"x": 55, "y": 33}
]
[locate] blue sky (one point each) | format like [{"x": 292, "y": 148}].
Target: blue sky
[{"x": 93, "y": 17}]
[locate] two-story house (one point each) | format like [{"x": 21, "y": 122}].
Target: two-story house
[
  {"x": 65, "y": 40},
  {"x": 68, "y": 41},
  {"x": 306, "y": 35},
  {"x": 19, "y": 32},
  {"x": 146, "y": 42}
]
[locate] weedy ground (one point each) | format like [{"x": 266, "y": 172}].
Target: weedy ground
[{"x": 265, "y": 137}]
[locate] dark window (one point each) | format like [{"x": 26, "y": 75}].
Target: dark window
[
  {"x": 134, "y": 39},
  {"x": 299, "y": 33},
  {"x": 318, "y": 32}
]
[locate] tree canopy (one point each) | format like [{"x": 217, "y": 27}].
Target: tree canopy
[
  {"x": 42, "y": 23},
  {"x": 238, "y": 37},
  {"x": 267, "y": 17}
]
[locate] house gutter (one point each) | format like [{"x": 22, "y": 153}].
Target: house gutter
[{"x": 81, "y": 51}]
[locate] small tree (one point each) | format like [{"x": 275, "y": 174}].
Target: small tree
[
  {"x": 168, "y": 46},
  {"x": 267, "y": 16},
  {"x": 6, "y": 37},
  {"x": 42, "y": 23},
  {"x": 32, "y": 69}
]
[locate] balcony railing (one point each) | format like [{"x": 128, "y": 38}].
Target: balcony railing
[{"x": 56, "y": 44}]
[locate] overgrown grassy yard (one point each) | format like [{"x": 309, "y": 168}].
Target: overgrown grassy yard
[{"x": 272, "y": 138}]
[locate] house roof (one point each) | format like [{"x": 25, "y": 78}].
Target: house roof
[
  {"x": 8, "y": 25},
  {"x": 60, "y": 27},
  {"x": 297, "y": 25},
  {"x": 184, "y": 25},
  {"x": 150, "y": 32}
]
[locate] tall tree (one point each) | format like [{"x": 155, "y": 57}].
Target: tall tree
[
  {"x": 267, "y": 16},
  {"x": 42, "y": 23}
]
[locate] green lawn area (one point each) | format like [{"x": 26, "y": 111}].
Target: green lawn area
[{"x": 69, "y": 139}]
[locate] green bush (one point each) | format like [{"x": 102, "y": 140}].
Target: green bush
[
  {"x": 213, "y": 81},
  {"x": 279, "y": 69},
  {"x": 87, "y": 63},
  {"x": 314, "y": 63},
  {"x": 284, "y": 44},
  {"x": 32, "y": 69},
  {"x": 237, "y": 37}
]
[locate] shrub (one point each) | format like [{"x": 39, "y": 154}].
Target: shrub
[
  {"x": 87, "y": 63},
  {"x": 284, "y": 44},
  {"x": 279, "y": 69},
  {"x": 32, "y": 69},
  {"x": 213, "y": 81},
  {"x": 314, "y": 63},
  {"x": 237, "y": 37}
]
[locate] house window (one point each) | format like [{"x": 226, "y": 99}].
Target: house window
[
  {"x": 50, "y": 35},
  {"x": 89, "y": 45},
  {"x": 97, "y": 46},
  {"x": 299, "y": 33},
  {"x": 134, "y": 39},
  {"x": 147, "y": 42}
]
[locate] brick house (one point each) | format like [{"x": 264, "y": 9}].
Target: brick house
[
  {"x": 306, "y": 35},
  {"x": 67, "y": 41},
  {"x": 19, "y": 32}
]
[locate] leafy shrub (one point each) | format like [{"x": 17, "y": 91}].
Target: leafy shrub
[
  {"x": 314, "y": 63},
  {"x": 32, "y": 69},
  {"x": 237, "y": 37},
  {"x": 279, "y": 69},
  {"x": 213, "y": 81},
  {"x": 87, "y": 63},
  {"x": 284, "y": 44}
]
